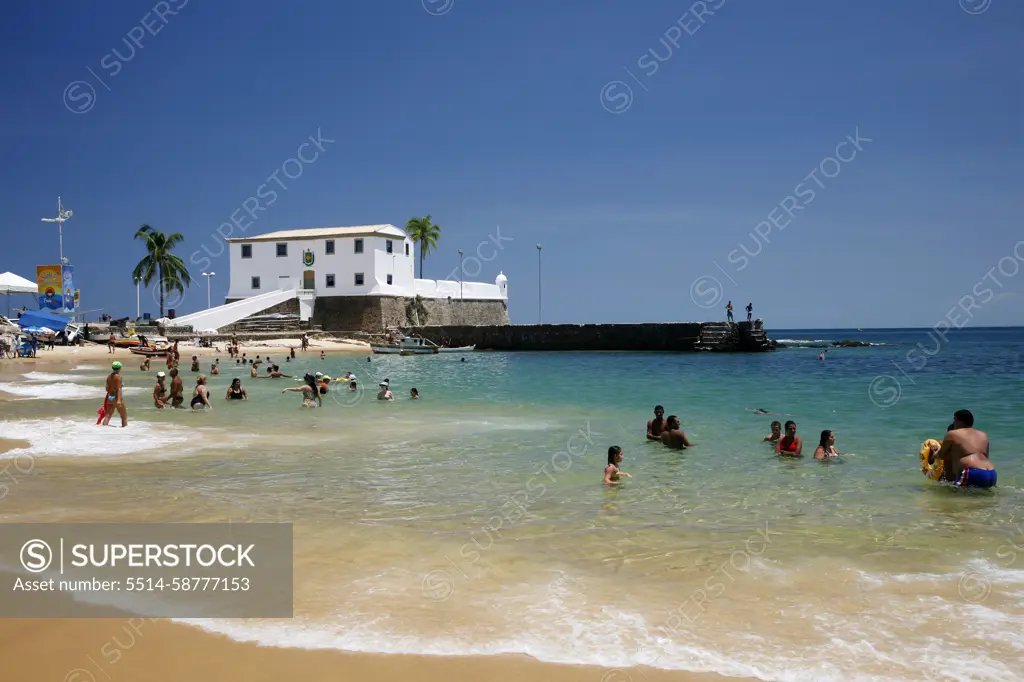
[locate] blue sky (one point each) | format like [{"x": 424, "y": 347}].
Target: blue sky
[{"x": 506, "y": 113}]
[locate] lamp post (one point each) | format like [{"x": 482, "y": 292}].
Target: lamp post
[
  {"x": 208, "y": 275},
  {"x": 461, "y": 267},
  {"x": 62, "y": 215},
  {"x": 540, "y": 317},
  {"x": 138, "y": 305}
]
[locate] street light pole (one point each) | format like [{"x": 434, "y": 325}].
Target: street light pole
[
  {"x": 138, "y": 304},
  {"x": 461, "y": 267},
  {"x": 208, "y": 275},
  {"x": 62, "y": 215},
  {"x": 540, "y": 316}
]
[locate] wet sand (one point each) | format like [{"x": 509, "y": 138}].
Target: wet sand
[{"x": 148, "y": 650}]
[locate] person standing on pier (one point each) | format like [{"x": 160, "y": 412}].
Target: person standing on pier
[
  {"x": 728, "y": 312},
  {"x": 750, "y": 310}
]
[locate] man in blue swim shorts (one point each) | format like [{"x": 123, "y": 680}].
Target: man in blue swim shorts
[{"x": 965, "y": 454}]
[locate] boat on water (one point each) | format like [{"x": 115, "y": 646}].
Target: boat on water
[{"x": 416, "y": 345}]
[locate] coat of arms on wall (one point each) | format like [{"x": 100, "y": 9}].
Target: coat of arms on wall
[{"x": 307, "y": 257}]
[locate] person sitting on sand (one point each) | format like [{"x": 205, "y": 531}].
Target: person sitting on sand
[
  {"x": 115, "y": 396},
  {"x": 414, "y": 394},
  {"x": 195, "y": 363},
  {"x": 826, "y": 446},
  {"x": 385, "y": 392},
  {"x": 790, "y": 445},
  {"x": 310, "y": 394},
  {"x": 235, "y": 391},
  {"x": 673, "y": 436},
  {"x": 964, "y": 453},
  {"x": 776, "y": 433},
  {"x": 656, "y": 425},
  {"x": 159, "y": 391},
  {"x": 612, "y": 471},
  {"x": 201, "y": 395}
]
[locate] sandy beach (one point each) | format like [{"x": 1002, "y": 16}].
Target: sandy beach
[
  {"x": 264, "y": 347},
  {"x": 147, "y": 650}
]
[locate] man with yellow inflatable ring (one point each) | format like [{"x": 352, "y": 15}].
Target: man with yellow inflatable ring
[{"x": 963, "y": 455}]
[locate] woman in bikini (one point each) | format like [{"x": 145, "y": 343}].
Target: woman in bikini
[
  {"x": 235, "y": 391},
  {"x": 612, "y": 471},
  {"x": 201, "y": 395},
  {"x": 827, "y": 446},
  {"x": 790, "y": 445}
]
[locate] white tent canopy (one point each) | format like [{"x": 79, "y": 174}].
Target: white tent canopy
[{"x": 13, "y": 284}]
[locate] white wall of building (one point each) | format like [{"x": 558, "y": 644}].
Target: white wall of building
[{"x": 286, "y": 272}]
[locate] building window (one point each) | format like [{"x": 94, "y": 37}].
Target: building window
[
  {"x": 359, "y": 246},
  {"x": 389, "y": 279},
  {"x": 282, "y": 250},
  {"x": 388, "y": 246},
  {"x": 330, "y": 280},
  {"x": 407, "y": 248},
  {"x": 329, "y": 247},
  {"x": 246, "y": 250},
  {"x": 359, "y": 279},
  {"x": 255, "y": 282}
]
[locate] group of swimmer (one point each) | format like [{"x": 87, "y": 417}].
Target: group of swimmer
[
  {"x": 313, "y": 387},
  {"x": 962, "y": 457}
]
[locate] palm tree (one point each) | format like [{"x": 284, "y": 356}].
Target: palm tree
[
  {"x": 159, "y": 263},
  {"x": 425, "y": 233}
]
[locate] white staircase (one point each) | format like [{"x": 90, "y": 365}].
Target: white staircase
[{"x": 223, "y": 315}]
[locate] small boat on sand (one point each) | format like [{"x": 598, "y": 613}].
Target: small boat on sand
[{"x": 149, "y": 351}]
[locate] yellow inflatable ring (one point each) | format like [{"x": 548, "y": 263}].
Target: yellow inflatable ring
[{"x": 934, "y": 470}]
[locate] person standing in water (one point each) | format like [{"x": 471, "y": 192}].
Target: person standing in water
[
  {"x": 115, "y": 396},
  {"x": 612, "y": 471},
  {"x": 310, "y": 393},
  {"x": 965, "y": 454},
  {"x": 728, "y": 311},
  {"x": 414, "y": 394},
  {"x": 235, "y": 391},
  {"x": 826, "y": 446},
  {"x": 385, "y": 392},
  {"x": 159, "y": 391},
  {"x": 790, "y": 445},
  {"x": 177, "y": 389},
  {"x": 144, "y": 367},
  {"x": 776, "y": 433},
  {"x": 201, "y": 395},
  {"x": 673, "y": 436},
  {"x": 656, "y": 425}
]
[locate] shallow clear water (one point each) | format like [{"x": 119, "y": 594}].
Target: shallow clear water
[{"x": 475, "y": 521}]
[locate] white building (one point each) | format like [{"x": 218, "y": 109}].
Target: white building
[{"x": 368, "y": 260}]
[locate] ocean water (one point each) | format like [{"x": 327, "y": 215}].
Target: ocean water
[{"x": 474, "y": 520}]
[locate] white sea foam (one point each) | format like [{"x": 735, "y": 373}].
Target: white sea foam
[
  {"x": 49, "y": 376},
  {"x": 559, "y": 626},
  {"x": 88, "y": 368},
  {"x": 35, "y": 390},
  {"x": 84, "y": 438}
]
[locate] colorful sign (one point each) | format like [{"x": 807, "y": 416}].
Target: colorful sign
[
  {"x": 50, "y": 285},
  {"x": 78, "y": 297},
  {"x": 68, "y": 289},
  {"x": 307, "y": 257}
]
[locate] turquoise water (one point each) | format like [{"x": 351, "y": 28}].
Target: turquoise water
[{"x": 474, "y": 520}]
